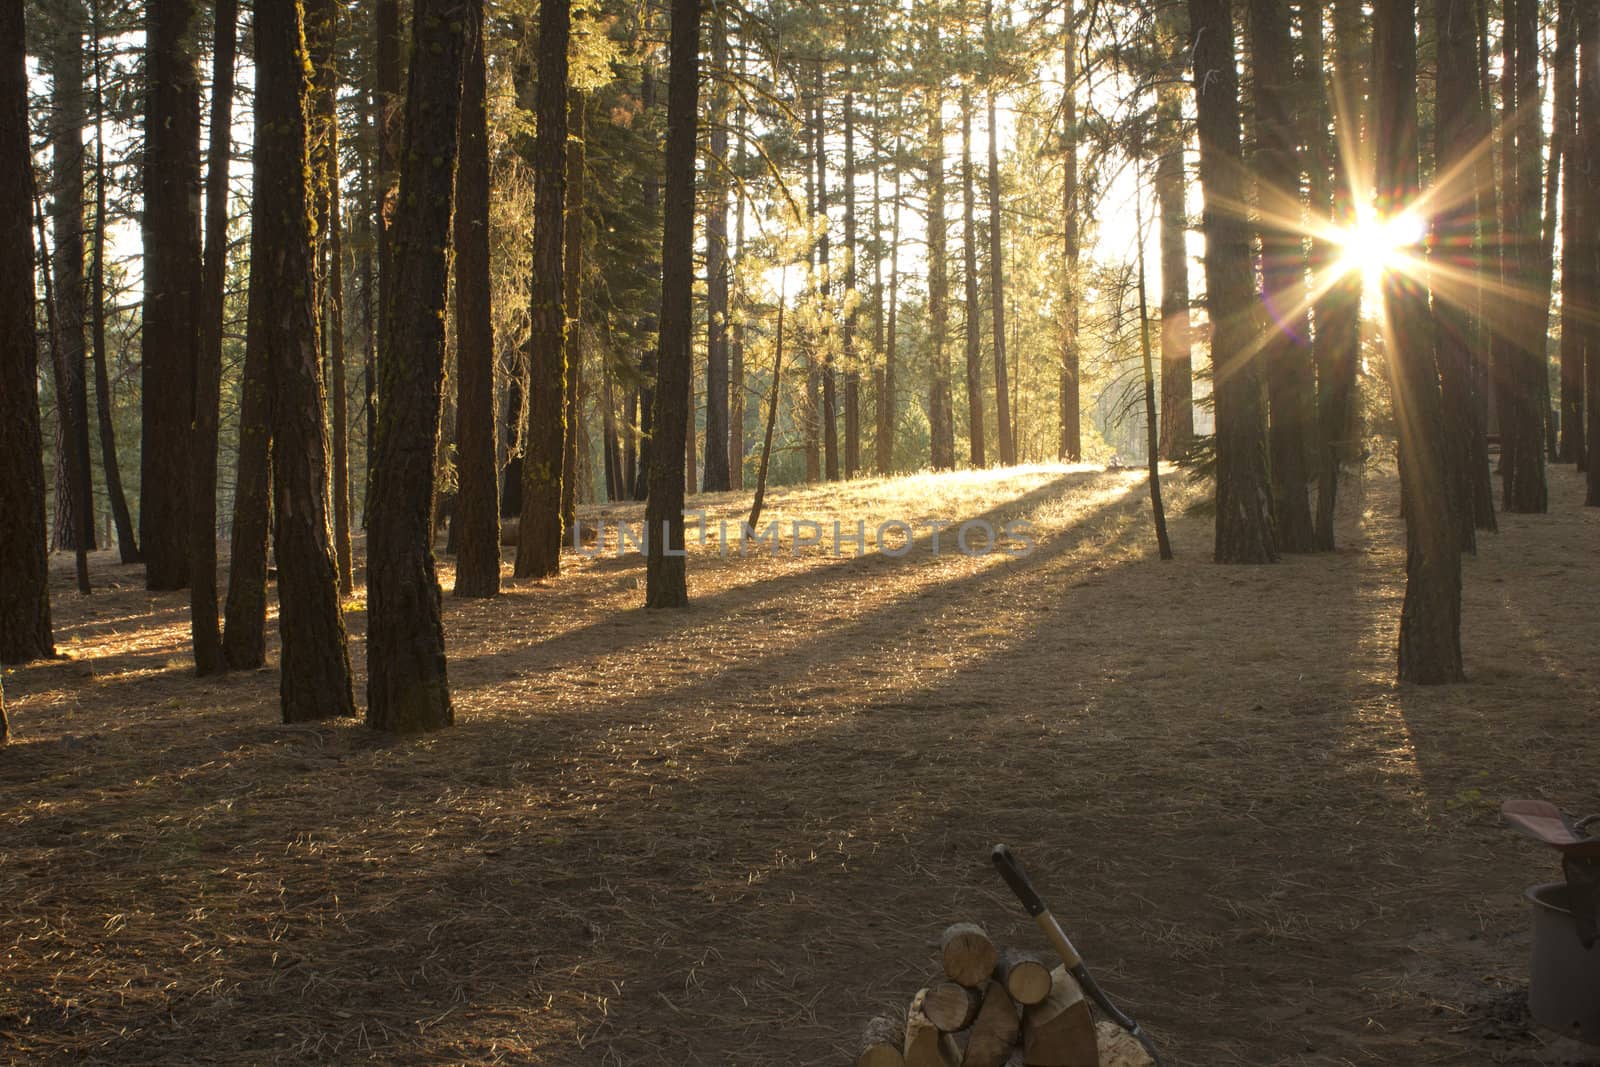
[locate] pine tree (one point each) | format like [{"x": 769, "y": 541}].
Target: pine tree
[
  {"x": 666, "y": 583},
  {"x": 207, "y": 635},
  {"x": 169, "y": 336},
  {"x": 1430, "y": 619},
  {"x": 408, "y": 690},
  {"x": 25, "y": 632},
  {"x": 539, "y": 531},
  {"x": 1244, "y": 532},
  {"x": 314, "y": 675},
  {"x": 477, "y": 523}
]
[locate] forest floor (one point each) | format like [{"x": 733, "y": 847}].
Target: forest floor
[{"x": 726, "y": 836}]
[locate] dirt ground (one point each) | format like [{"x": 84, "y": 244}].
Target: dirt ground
[{"x": 728, "y": 835}]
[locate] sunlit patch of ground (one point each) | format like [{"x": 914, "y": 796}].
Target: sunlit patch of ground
[{"x": 721, "y": 836}]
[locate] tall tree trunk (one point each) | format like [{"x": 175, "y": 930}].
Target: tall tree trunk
[
  {"x": 1487, "y": 237},
  {"x": 24, "y": 558},
  {"x": 997, "y": 297},
  {"x": 882, "y": 446},
  {"x": 1338, "y": 311},
  {"x": 666, "y": 584},
  {"x": 852, "y": 372},
  {"x": 170, "y": 334},
  {"x": 572, "y": 274},
  {"x": 1285, "y": 353},
  {"x": 314, "y": 676},
  {"x": 1071, "y": 448},
  {"x": 1244, "y": 531},
  {"x": 716, "y": 453},
  {"x": 973, "y": 312},
  {"x": 736, "y": 383},
  {"x": 1430, "y": 620},
  {"x": 539, "y": 531},
  {"x": 1177, "y": 368},
  {"x": 613, "y": 445},
  {"x": 941, "y": 417},
  {"x": 80, "y": 515},
  {"x": 244, "y": 634},
  {"x": 203, "y": 625},
  {"x": 408, "y": 690},
  {"x": 1565, "y": 92},
  {"x": 1522, "y": 374},
  {"x": 830, "y": 398},
  {"x": 367, "y": 281},
  {"x": 322, "y": 24},
  {"x": 1455, "y": 234},
  {"x": 811, "y": 409},
  {"x": 772, "y": 412},
  {"x": 1158, "y": 510},
  {"x": 642, "y": 408},
  {"x": 1573, "y": 223},
  {"x": 886, "y": 425},
  {"x": 1588, "y": 248},
  {"x": 515, "y": 438},
  {"x": 127, "y": 544},
  {"x": 390, "y": 103},
  {"x": 477, "y": 522},
  {"x": 74, "y": 485}
]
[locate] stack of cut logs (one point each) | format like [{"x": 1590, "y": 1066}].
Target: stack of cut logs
[{"x": 996, "y": 1009}]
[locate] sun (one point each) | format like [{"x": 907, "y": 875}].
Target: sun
[{"x": 1374, "y": 246}]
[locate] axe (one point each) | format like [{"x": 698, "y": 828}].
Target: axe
[{"x": 1005, "y": 861}]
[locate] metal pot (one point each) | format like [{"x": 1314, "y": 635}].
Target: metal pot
[{"x": 1564, "y": 988}]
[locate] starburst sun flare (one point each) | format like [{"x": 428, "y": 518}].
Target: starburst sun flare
[{"x": 1374, "y": 245}]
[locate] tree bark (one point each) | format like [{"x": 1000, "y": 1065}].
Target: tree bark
[
  {"x": 716, "y": 451},
  {"x": 1521, "y": 372},
  {"x": 1285, "y": 354},
  {"x": 1430, "y": 619},
  {"x": 1177, "y": 368},
  {"x": 811, "y": 408},
  {"x": 204, "y": 628},
  {"x": 477, "y": 521},
  {"x": 390, "y": 103},
  {"x": 772, "y": 415},
  {"x": 1455, "y": 230},
  {"x": 314, "y": 676},
  {"x": 244, "y": 634},
  {"x": 736, "y": 376},
  {"x": 1575, "y": 289},
  {"x": 539, "y": 531},
  {"x": 74, "y": 485},
  {"x": 1338, "y": 312},
  {"x": 1244, "y": 532},
  {"x": 408, "y": 690},
  {"x": 572, "y": 275},
  {"x": 25, "y": 632},
  {"x": 886, "y": 423},
  {"x": 666, "y": 584},
  {"x": 127, "y": 544},
  {"x": 322, "y": 26},
  {"x": 170, "y": 332},
  {"x": 1071, "y": 449},
  {"x": 642, "y": 407},
  {"x": 973, "y": 313},
  {"x": 852, "y": 303},
  {"x": 997, "y": 298},
  {"x": 1158, "y": 510},
  {"x": 941, "y": 418},
  {"x": 1589, "y": 247},
  {"x": 830, "y": 399}
]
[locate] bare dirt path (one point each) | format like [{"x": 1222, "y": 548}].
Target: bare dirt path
[{"x": 725, "y": 836}]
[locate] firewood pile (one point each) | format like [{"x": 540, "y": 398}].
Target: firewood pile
[{"x": 996, "y": 1008}]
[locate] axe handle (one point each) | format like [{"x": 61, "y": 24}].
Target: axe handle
[{"x": 1010, "y": 868}]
